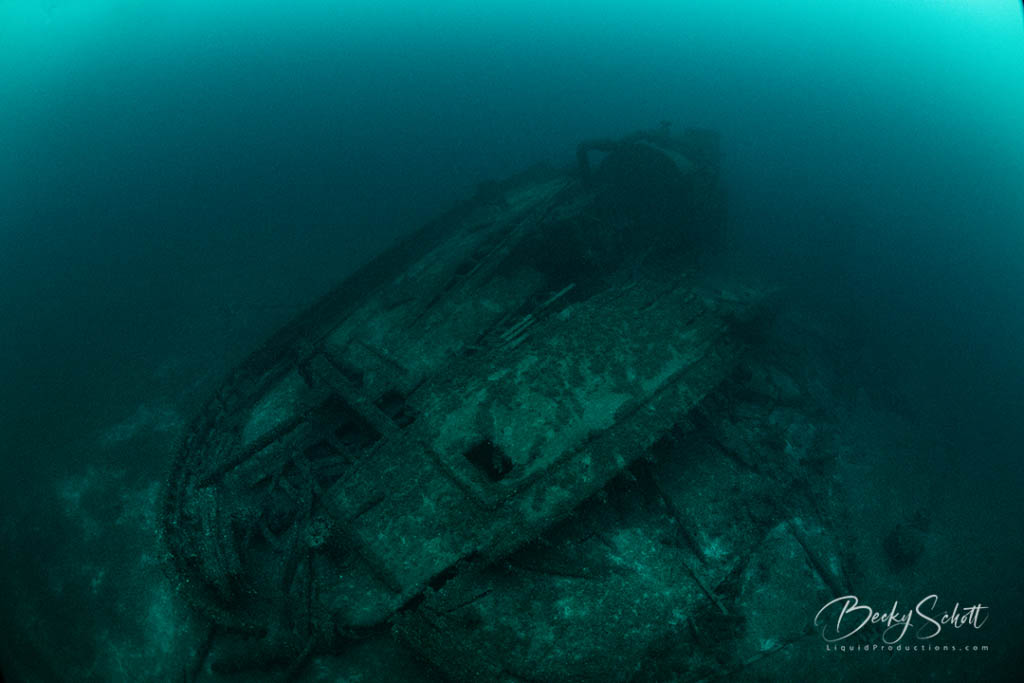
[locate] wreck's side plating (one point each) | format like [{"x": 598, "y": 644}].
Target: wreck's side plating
[{"x": 449, "y": 403}]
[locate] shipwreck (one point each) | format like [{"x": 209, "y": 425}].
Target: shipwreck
[{"x": 455, "y": 399}]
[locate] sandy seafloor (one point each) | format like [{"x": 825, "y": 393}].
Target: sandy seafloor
[{"x": 86, "y": 598}]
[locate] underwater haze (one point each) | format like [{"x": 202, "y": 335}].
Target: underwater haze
[{"x": 179, "y": 179}]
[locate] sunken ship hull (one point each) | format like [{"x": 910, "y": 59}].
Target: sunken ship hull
[{"x": 456, "y": 398}]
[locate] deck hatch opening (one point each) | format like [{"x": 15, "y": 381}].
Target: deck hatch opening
[
  {"x": 490, "y": 460},
  {"x": 393, "y": 404},
  {"x": 352, "y": 431},
  {"x": 320, "y": 450},
  {"x": 351, "y": 373},
  {"x": 356, "y": 433}
]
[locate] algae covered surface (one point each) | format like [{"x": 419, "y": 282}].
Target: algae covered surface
[{"x": 524, "y": 342}]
